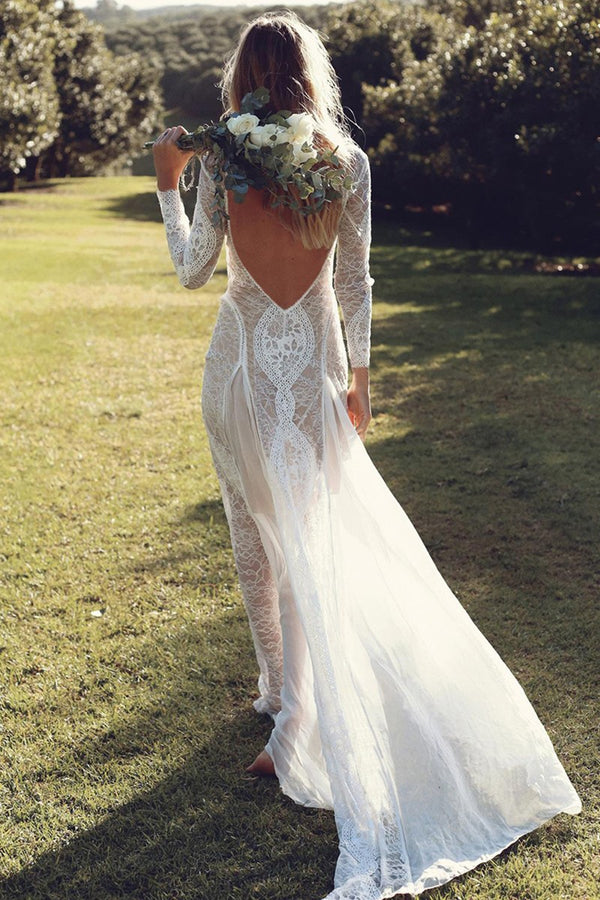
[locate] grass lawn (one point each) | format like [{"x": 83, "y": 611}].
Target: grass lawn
[{"x": 127, "y": 673}]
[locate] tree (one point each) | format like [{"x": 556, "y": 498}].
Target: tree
[
  {"x": 471, "y": 13},
  {"x": 366, "y": 44},
  {"x": 108, "y": 11},
  {"x": 68, "y": 106},
  {"x": 108, "y": 105},
  {"x": 29, "y": 105},
  {"x": 197, "y": 89}
]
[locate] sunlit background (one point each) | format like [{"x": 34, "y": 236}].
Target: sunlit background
[{"x": 173, "y": 4}]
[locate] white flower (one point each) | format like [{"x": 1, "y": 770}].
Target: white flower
[
  {"x": 242, "y": 124},
  {"x": 300, "y": 127},
  {"x": 262, "y": 135}
]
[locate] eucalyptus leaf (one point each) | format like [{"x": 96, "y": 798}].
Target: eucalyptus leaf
[{"x": 262, "y": 96}]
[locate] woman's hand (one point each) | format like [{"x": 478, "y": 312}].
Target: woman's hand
[
  {"x": 359, "y": 401},
  {"x": 169, "y": 160}
]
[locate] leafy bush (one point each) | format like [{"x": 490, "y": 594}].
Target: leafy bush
[
  {"x": 367, "y": 45},
  {"x": 502, "y": 122},
  {"x": 68, "y": 106},
  {"x": 29, "y": 98}
]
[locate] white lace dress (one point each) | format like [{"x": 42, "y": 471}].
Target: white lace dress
[{"x": 389, "y": 705}]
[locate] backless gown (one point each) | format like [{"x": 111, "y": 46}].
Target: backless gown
[{"x": 389, "y": 705}]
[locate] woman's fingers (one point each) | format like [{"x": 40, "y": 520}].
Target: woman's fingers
[
  {"x": 163, "y": 138},
  {"x": 362, "y": 424},
  {"x": 177, "y": 131},
  {"x": 170, "y": 135},
  {"x": 169, "y": 159},
  {"x": 359, "y": 410}
]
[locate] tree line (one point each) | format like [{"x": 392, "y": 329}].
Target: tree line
[
  {"x": 490, "y": 108},
  {"x": 188, "y": 48},
  {"x": 486, "y": 109},
  {"x": 68, "y": 105}
]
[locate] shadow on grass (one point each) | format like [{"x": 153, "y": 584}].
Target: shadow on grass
[
  {"x": 28, "y": 187},
  {"x": 421, "y": 250},
  {"x": 490, "y": 381},
  {"x": 201, "y": 832},
  {"x": 208, "y": 513},
  {"x": 144, "y": 207},
  {"x": 198, "y": 520}
]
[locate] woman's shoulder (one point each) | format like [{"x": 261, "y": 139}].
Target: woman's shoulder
[
  {"x": 357, "y": 152},
  {"x": 357, "y": 166},
  {"x": 357, "y": 159}
]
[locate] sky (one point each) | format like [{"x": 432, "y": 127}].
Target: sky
[{"x": 152, "y": 4}]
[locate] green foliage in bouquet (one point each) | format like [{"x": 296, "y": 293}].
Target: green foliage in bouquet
[{"x": 274, "y": 152}]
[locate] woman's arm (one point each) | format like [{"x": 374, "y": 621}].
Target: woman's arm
[
  {"x": 194, "y": 250},
  {"x": 353, "y": 289}
]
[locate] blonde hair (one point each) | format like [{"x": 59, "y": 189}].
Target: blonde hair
[{"x": 280, "y": 52}]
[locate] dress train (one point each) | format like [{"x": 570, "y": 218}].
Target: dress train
[{"x": 396, "y": 712}]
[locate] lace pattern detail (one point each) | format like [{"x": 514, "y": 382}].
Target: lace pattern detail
[
  {"x": 358, "y": 334},
  {"x": 194, "y": 250},
  {"x": 352, "y": 279},
  {"x": 284, "y": 344},
  {"x": 372, "y": 862},
  {"x": 261, "y": 599}
]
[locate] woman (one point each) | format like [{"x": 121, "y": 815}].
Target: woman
[{"x": 389, "y": 706}]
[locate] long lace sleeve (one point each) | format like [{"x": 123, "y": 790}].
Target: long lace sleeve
[
  {"x": 194, "y": 250},
  {"x": 352, "y": 280}
]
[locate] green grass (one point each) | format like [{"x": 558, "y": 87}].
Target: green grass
[{"x": 126, "y": 664}]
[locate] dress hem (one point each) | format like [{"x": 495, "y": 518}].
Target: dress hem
[
  {"x": 416, "y": 889},
  {"x": 462, "y": 869}
]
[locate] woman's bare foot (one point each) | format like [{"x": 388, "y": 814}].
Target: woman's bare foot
[{"x": 262, "y": 765}]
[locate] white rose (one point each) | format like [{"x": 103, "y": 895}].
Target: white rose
[
  {"x": 300, "y": 127},
  {"x": 262, "y": 135},
  {"x": 242, "y": 124}
]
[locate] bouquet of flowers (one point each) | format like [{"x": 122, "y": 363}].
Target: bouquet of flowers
[{"x": 274, "y": 151}]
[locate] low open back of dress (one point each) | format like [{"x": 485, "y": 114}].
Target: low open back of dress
[{"x": 272, "y": 255}]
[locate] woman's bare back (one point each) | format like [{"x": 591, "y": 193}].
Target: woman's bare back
[{"x": 277, "y": 260}]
